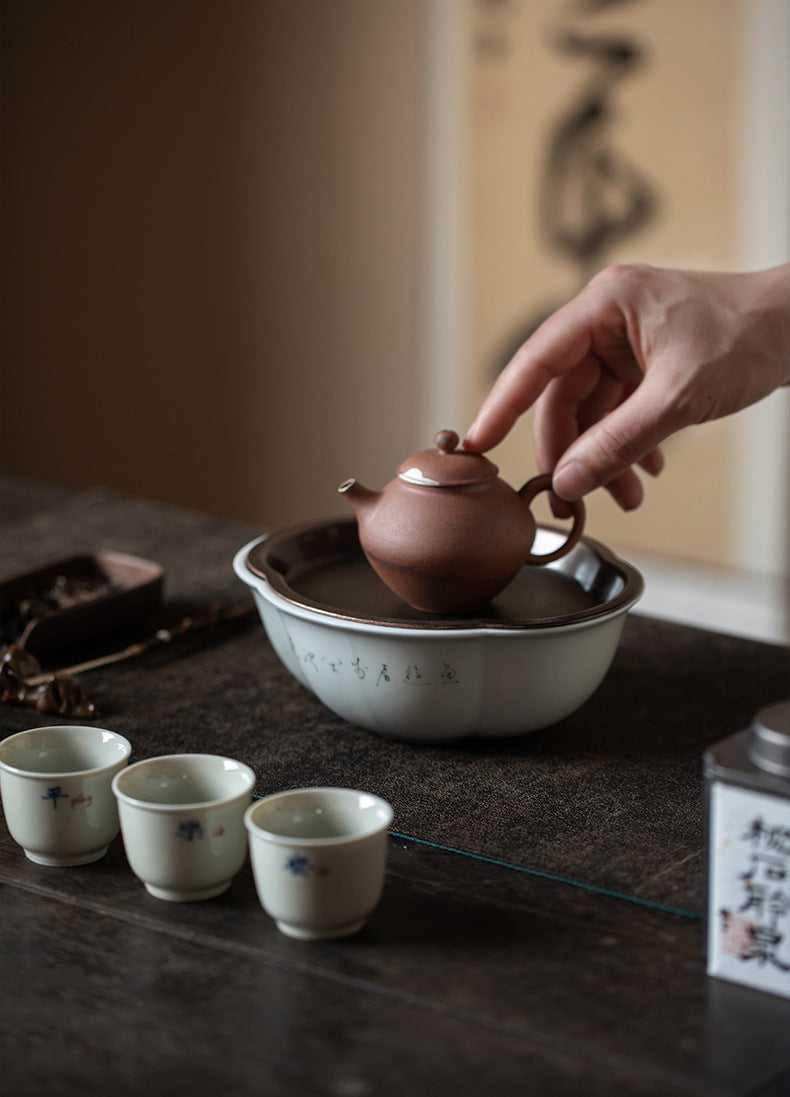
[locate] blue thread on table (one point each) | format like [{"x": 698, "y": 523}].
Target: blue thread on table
[
  {"x": 551, "y": 876},
  {"x": 539, "y": 874}
]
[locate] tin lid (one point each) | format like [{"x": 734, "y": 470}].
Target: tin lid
[
  {"x": 447, "y": 466},
  {"x": 769, "y": 747}
]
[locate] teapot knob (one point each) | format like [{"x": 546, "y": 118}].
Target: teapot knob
[{"x": 446, "y": 441}]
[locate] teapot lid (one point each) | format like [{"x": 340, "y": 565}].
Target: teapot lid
[{"x": 446, "y": 466}]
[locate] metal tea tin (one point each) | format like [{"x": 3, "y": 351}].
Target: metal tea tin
[{"x": 747, "y": 848}]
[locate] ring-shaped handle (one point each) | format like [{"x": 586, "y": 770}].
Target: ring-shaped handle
[{"x": 534, "y": 487}]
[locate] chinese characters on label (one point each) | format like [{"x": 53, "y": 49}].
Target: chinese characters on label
[{"x": 749, "y": 889}]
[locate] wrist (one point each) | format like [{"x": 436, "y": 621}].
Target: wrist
[{"x": 770, "y": 296}]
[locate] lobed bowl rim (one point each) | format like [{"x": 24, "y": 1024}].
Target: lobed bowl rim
[{"x": 272, "y": 586}]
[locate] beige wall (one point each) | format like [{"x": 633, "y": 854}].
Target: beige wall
[
  {"x": 211, "y": 265},
  {"x": 253, "y": 247},
  {"x": 677, "y": 121}
]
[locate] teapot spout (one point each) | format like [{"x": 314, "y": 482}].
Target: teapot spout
[{"x": 361, "y": 498}]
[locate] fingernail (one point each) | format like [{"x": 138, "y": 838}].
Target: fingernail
[
  {"x": 469, "y": 438},
  {"x": 572, "y": 481},
  {"x": 559, "y": 507}
]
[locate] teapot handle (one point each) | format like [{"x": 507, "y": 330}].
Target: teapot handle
[{"x": 534, "y": 487}]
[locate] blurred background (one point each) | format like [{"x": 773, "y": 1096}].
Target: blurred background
[{"x": 251, "y": 248}]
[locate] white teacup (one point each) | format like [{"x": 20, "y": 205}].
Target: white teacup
[
  {"x": 57, "y": 797},
  {"x": 318, "y": 858},
  {"x": 182, "y": 822}
]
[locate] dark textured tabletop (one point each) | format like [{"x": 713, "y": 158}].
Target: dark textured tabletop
[{"x": 540, "y": 929}]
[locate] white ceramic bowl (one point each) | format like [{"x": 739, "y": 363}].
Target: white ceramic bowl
[
  {"x": 411, "y": 676},
  {"x": 182, "y": 822},
  {"x": 55, "y": 786}
]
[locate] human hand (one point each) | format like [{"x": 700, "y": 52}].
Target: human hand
[{"x": 639, "y": 354}]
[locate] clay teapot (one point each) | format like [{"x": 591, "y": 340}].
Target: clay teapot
[{"x": 447, "y": 534}]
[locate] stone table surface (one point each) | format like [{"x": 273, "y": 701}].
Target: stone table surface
[{"x": 541, "y": 924}]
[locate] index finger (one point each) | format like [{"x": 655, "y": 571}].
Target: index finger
[{"x": 561, "y": 343}]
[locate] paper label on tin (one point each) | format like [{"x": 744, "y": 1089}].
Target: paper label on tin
[{"x": 749, "y": 888}]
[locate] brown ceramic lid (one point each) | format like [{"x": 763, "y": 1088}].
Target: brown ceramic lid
[{"x": 447, "y": 466}]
